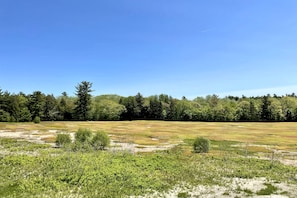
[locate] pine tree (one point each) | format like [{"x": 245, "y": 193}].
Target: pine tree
[
  {"x": 83, "y": 103},
  {"x": 139, "y": 106},
  {"x": 155, "y": 108},
  {"x": 36, "y": 104},
  {"x": 265, "y": 113}
]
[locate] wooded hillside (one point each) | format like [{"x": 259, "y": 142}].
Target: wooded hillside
[{"x": 26, "y": 107}]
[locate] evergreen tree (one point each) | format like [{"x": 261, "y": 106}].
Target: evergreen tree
[
  {"x": 155, "y": 108},
  {"x": 139, "y": 102},
  {"x": 83, "y": 103},
  {"x": 36, "y": 104},
  {"x": 265, "y": 113}
]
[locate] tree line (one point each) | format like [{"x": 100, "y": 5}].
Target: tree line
[{"x": 83, "y": 106}]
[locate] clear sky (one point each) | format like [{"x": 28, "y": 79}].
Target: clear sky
[{"x": 177, "y": 47}]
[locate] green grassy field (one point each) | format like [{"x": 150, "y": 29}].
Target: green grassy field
[{"x": 246, "y": 151}]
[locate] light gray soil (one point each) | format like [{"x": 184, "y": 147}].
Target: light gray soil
[
  {"x": 235, "y": 187},
  {"x": 38, "y": 137}
]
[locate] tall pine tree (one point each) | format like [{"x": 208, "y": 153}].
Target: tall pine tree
[
  {"x": 83, "y": 103},
  {"x": 265, "y": 113}
]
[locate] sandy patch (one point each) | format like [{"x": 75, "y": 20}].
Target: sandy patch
[
  {"x": 38, "y": 137},
  {"x": 135, "y": 148},
  {"x": 235, "y": 187},
  {"x": 34, "y": 136}
]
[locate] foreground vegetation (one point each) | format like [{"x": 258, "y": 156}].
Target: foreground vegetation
[
  {"x": 49, "y": 172},
  {"x": 38, "y": 170}
]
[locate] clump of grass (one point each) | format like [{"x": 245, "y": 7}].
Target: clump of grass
[
  {"x": 183, "y": 195},
  {"x": 270, "y": 189},
  {"x": 226, "y": 193},
  {"x": 201, "y": 145},
  {"x": 248, "y": 191}
]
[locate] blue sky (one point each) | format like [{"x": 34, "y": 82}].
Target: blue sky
[{"x": 182, "y": 48}]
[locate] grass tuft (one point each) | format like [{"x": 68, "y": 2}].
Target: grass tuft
[{"x": 270, "y": 189}]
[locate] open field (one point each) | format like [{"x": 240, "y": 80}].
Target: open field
[
  {"x": 282, "y": 135},
  {"x": 245, "y": 160}
]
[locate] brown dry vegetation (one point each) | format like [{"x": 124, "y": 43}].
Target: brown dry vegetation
[{"x": 278, "y": 135}]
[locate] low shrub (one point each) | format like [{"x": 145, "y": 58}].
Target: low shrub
[
  {"x": 83, "y": 136},
  {"x": 63, "y": 139},
  {"x": 201, "y": 145},
  {"x": 100, "y": 140},
  {"x": 82, "y": 147},
  {"x": 36, "y": 120},
  {"x": 85, "y": 140}
]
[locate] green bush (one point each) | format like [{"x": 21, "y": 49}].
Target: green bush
[
  {"x": 100, "y": 140},
  {"x": 63, "y": 139},
  {"x": 201, "y": 145},
  {"x": 4, "y": 116},
  {"x": 86, "y": 141},
  {"x": 36, "y": 120},
  {"x": 82, "y": 147},
  {"x": 83, "y": 136}
]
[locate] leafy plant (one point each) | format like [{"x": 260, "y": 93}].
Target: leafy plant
[
  {"x": 83, "y": 138},
  {"x": 201, "y": 145},
  {"x": 100, "y": 140},
  {"x": 83, "y": 135},
  {"x": 36, "y": 120},
  {"x": 63, "y": 139}
]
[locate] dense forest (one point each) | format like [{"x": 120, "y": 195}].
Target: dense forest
[{"x": 83, "y": 106}]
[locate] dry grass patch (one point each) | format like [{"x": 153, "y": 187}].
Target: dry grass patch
[
  {"x": 278, "y": 134},
  {"x": 49, "y": 139},
  {"x": 257, "y": 149},
  {"x": 146, "y": 141}
]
